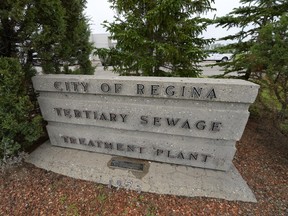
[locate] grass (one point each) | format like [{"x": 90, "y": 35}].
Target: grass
[
  {"x": 269, "y": 100},
  {"x": 151, "y": 210},
  {"x": 267, "y": 106},
  {"x": 101, "y": 197},
  {"x": 284, "y": 127},
  {"x": 63, "y": 199},
  {"x": 72, "y": 210}
]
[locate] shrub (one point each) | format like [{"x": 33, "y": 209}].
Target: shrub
[{"x": 20, "y": 126}]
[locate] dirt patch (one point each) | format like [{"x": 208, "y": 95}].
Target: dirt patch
[{"x": 261, "y": 158}]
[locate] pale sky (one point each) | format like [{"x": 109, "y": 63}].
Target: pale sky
[{"x": 99, "y": 10}]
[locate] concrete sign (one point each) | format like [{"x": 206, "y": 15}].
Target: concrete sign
[{"x": 191, "y": 122}]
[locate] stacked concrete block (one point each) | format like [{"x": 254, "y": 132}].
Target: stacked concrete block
[{"x": 186, "y": 121}]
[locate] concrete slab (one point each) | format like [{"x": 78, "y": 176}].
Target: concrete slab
[
  {"x": 190, "y": 151},
  {"x": 157, "y": 178},
  {"x": 100, "y": 114}
]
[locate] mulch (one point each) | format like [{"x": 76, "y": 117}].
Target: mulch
[{"x": 261, "y": 158}]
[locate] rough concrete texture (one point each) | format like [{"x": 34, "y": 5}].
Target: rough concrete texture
[
  {"x": 225, "y": 90},
  {"x": 141, "y": 117},
  {"x": 193, "y": 122},
  {"x": 157, "y": 178},
  {"x": 191, "y": 151}
]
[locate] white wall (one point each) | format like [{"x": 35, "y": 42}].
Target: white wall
[{"x": 101, "y": 41}]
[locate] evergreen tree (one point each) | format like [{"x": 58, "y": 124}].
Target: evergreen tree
[
  {"x": 271, "y": 52},
  {"x": 249, "y": 18},
  {"x": 75, "y": 45},
  {"x": 56, "y": 30},
  {"x": 20, "y": 125},
  {"x": 260, "y": 50},
  {"x": 158, "y": 37}
]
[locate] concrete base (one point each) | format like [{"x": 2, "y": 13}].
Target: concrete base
[{"x": 157, "y": 178}]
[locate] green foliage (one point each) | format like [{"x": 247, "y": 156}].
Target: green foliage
[
  {"x": 75, "y": 45},
  {"x": 158, "y": 38},
  {"x": 268, "y": 100},
  {"x": 261, "y": 50},
  {"x": 151, "y": 210},
  {"x": 63, "y": 199},
  {"x": 20, "y": 126},
  {"x": 284, "y": 127},
  {"x": 72, "y": 210},
  {"x": 101, "y": 197},
  {"x": 249, "y": 18},
  {"x": 56, "y": 30},
  {"x": 271, "y": 53}
]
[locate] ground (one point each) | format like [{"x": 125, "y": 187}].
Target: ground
[{"x": 261, "y": 158}]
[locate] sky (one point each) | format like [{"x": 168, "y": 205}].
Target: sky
[{"x": 99, "y": 10}]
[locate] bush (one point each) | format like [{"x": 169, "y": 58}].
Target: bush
[{"x": 20, "y": 126}]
